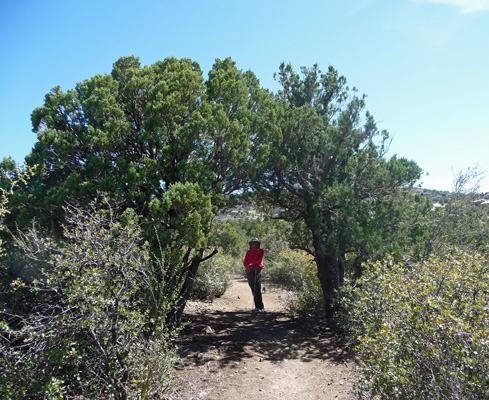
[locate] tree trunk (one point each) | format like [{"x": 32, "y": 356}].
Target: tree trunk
[
  {"x": 329, "y": 276},
  {"x": 187, "y": 287},
  {"x": 185, "y": 293},
  {"x": 330, "y": 271},
  {"x": 357, "y": 268}
]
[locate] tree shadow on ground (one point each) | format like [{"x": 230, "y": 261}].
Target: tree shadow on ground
[{"x": 274, "y": 336}]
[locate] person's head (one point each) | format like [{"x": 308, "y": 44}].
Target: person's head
[{"x": 254, "y": 243}]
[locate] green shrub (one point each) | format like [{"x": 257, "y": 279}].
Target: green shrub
[
  {"x": 296, "y": 271},
  {"x": 213, "y": 277},
  {"x": 287, "y": 269},
  {"x": 310, "y": 299},
  {"x": 226, "y": 236},
  {"x": 423, "y": 329},
  {"x": 93, "y": 332}
]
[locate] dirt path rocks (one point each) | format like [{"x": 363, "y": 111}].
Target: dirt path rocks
[{"x": 232, "y": 354}]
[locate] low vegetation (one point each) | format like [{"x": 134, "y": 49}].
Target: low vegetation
[
  {"x": 213, "y": 277},
  {"x": 88, "y": 327},
  {"x": 422, "y": 329}
]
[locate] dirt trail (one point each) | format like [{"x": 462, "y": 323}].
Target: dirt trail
[{"x": 231, "y": 354}]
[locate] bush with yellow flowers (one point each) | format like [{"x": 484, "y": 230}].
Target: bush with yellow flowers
[{"x": 423, "y": 330}]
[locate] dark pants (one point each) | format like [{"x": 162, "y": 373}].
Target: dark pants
[{"x": 254, "y": 280}]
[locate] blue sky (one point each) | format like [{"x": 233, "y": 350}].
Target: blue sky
[{"x": 424, "y": 64}]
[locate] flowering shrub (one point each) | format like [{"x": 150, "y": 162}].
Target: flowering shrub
[{"x": 423, "y": 329}]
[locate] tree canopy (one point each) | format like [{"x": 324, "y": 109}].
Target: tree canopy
[
  {"x": 171, "y": 145},
  {"x": 139, "y": 130},
  {"x": 160, "y": 140},
  {"x": 326, "y": 170}
]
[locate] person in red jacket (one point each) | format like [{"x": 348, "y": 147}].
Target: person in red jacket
[{"x": 253, "y": 263}]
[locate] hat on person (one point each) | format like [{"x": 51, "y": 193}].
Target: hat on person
[{"x": 255, "y": 240}]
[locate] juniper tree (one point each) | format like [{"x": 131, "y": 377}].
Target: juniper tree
[{"x": 326, "y": 171}]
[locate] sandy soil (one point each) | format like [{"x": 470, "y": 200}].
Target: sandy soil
[{"x": 232, "y": 354}]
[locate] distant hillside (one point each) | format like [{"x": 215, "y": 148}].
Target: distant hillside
[
  {"x": 240, "y": 211},
  {"x": 439, "y": 196},
  {"x": 436, "y": 196}
]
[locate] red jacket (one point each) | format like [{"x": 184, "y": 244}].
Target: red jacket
[{"x": 255, "y": 258}]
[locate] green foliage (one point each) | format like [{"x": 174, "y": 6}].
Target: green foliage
[
  {"x": 288, "y": 269},
  {"x": 325, "y": 170},
  {"x": 310, "y": 299},
  {"x": 8, "y": 170},
  {"x": 233, "y": 235},
  {"x": 134, "y": 133},
  {"x": 158, "y": 139},
  {"x": 213, "y": 277},
  {"x": 183, "y": 216},
  {"x": 3, "y": 212},
  {"x": 295, "y": 270},
  {"x": 274, "y": 238},
  {"x": 422, "y": 329},
  {"x": 10, "y": 177},
  {"x": 463, "y": 221},
  {"x": 97, "y": 327},
  {"x": 228, "y": 237}
]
